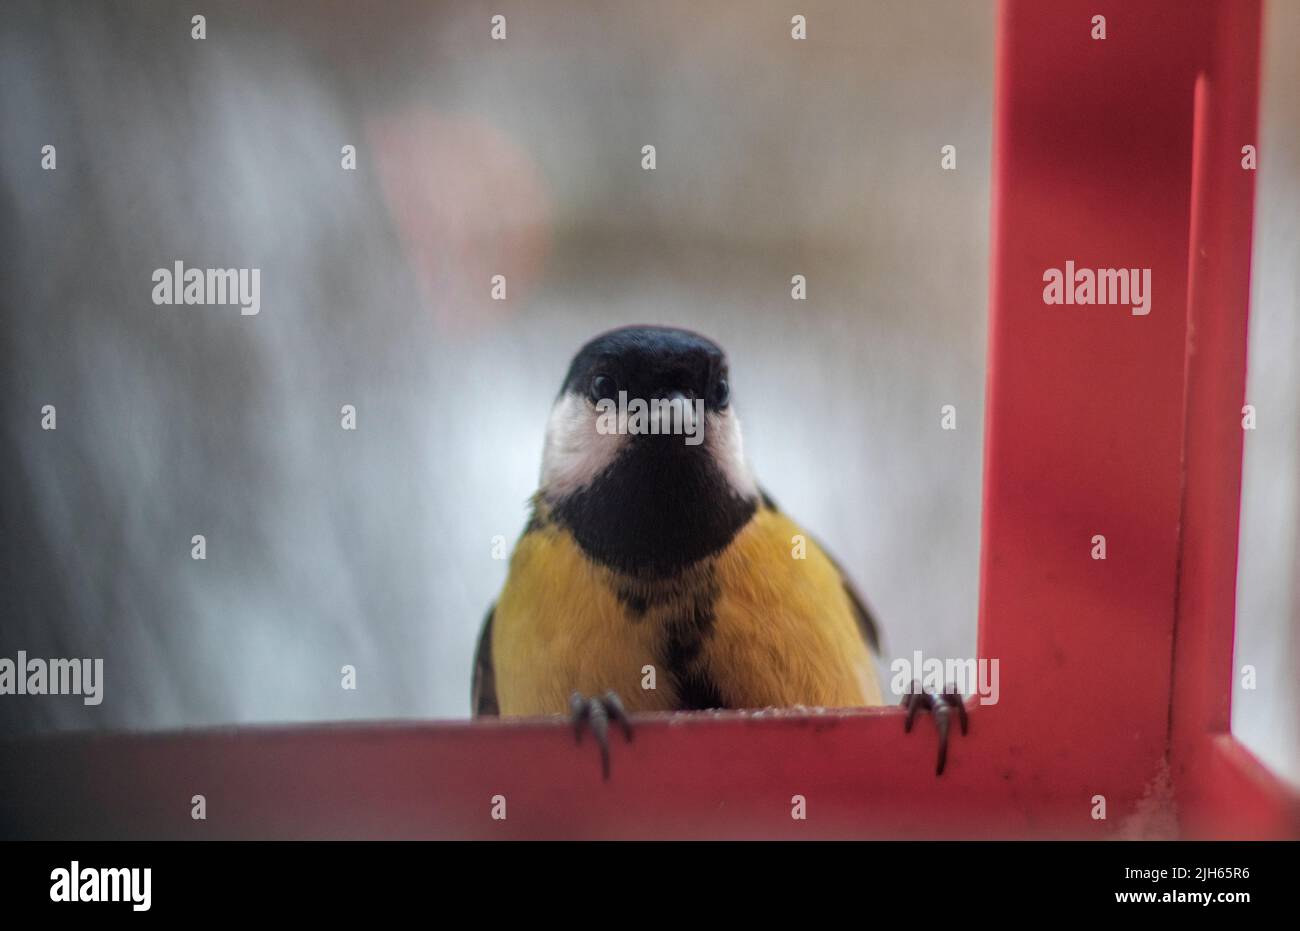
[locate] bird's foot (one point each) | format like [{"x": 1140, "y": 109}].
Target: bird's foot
[
  {"x": 941, "y": 707},
  {"x": 596, "y": 712}
]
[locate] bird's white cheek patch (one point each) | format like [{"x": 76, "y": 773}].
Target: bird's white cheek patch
[
  {"x": 575, "y": 451},
  {"x": 723, "y": 440}
]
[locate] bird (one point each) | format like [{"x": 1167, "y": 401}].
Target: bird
[{"x": 654, "y": 574}]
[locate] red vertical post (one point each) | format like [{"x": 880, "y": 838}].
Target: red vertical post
[
  {"x": 1221, "y": 789},
  {"x": 1084, "y": 433},
  {"x": 1122, "y": 152}
]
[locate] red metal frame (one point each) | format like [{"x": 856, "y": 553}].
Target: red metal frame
[
  {"x": 1116, "y": 674},
  {"x": 1222, "y": 789}
]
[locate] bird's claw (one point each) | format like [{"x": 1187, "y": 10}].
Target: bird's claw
[
  {"x": 941, "y": 707},
  {"x": 596, "y": 713}
]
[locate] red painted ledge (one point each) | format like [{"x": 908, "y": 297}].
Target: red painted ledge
[{"x": 725, "y": 775}]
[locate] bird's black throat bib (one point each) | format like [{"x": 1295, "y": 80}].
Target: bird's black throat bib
[{"x": 660, "y": 508}]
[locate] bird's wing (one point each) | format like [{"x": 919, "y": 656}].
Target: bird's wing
[
  {"x": 866, "y": 620},
  {"x": 483, "y": 694}
]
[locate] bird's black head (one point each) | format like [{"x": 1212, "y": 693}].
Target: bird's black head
[
  {"x": 651, "y": 362},
  {"x": 653, "y": 495}
]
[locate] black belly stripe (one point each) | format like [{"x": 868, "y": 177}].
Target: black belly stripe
[
  {"x": 685, "y": 636},
  {"x": 698, "y": 692},
  {"x": 640, "y": 597}
]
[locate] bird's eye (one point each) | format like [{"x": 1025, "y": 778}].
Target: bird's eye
[
  {"x": 721, "y": 394},
  {"x": 602, "y": 387}
]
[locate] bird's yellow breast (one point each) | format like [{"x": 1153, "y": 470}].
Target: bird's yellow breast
[{"x": 766, "y": 622}]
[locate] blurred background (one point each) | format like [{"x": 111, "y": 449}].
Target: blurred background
[{"x": 521, "y": 158}]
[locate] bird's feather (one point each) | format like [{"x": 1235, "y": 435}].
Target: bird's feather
[
  {"x": 750, "y": 627},
  {"x": 865, "y": 617},
  {"x": 483, "y": 692}
]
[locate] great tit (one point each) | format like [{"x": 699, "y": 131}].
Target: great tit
[{"x": 654, "y": 574}]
